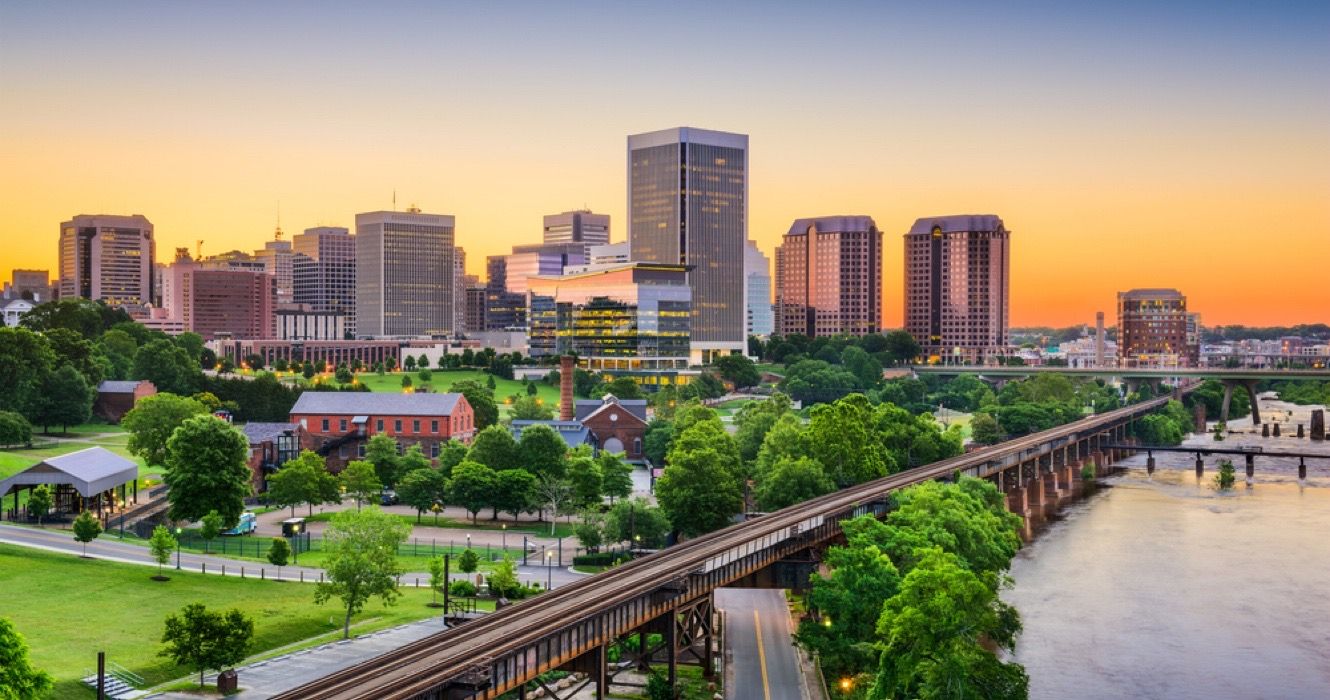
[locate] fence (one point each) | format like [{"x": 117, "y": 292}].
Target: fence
[{"x": 257, "y": 547}]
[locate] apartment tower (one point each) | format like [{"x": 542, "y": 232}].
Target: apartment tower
[
  {"x": 957, "y": 286},
  {"x": 829, "y": 277}
]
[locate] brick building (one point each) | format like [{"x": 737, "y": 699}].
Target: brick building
[
  {"x": 339, "y": 424},
  {"x": 619, "y": 426},
  {"x": 1153, "y": 329},
  {"x": 270, "y": 446},
  {"x": 115, "y": 399}
]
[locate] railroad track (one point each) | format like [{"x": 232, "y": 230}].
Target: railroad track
[{"x": 414, "y": 670}]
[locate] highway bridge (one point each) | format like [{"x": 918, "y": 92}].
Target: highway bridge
[{"x": 671, "y": 592}]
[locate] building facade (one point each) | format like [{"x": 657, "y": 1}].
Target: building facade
[
  {"x": 578, "y": 226},
  {"x": 688, "y": 205},
  {"x": 340, "y": 423},
  {"x": 323, "y": 270},
  {"x": 829, "y": 277},
  {"x": 330, "y": 353},
  {"x": 405, "y": 274},
  {"x": 229, "y": 303},
  {"x": 1153, "y": 329},
  {"x": 278, "y": 260},
  {"x": 957, "y": 287},
  {"x": 33, "y": 285},
  {"x": 757, "y": 276},
  {"x": 107, "y": 257},
  {"x": 304, "y": 323}
]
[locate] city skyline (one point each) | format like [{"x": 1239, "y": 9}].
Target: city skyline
[{"x": 1190, "y": 132}]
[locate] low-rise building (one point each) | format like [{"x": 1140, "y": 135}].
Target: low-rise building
[
  {"x": 270, "y": 446},
  {"x": 116, "y": 398},
  {"x": 340, "y": 423}
]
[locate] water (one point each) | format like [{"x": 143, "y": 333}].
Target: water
[{"x": 1165, "y": 588}]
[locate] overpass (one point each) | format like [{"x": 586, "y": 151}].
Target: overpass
[
  {"x": 671, "y": 592},
  {"x": 1231, "y": 378}
]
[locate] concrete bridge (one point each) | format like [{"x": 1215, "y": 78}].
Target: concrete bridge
[
  {"x": 670, "y": 593},
  {"x": 1248, "y": 455},
  {"x": 1246, "y": 378}
]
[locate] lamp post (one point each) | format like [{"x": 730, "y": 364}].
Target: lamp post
[
  {"x": 178, "y": 531},
  {"x": 468, "y": 540},
  {"x": 549, "y": 570},
  {"x": 505, "y": 539}
]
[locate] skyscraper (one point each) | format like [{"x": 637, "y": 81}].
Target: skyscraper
[
  {"x": 405, "y": 269},
  {"x": 324, "y": 271},
  {"x": 688, "y": 205},
  {"x": 829, "y": 277},
  {"x": 757, "y": 273},
  {"x": 579, "y": 226},
  {"x": 107, "y": 257},
  {"x": 276, "y": 257},
  {"x": 1153, "y": 329},
  {"x": 957, "y": 281}
]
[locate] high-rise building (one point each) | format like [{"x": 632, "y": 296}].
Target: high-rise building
[
  {"x": 579, "y": 226},
  {"x": 1152, "y": 329},
  {"x": 829, "y": 277},
  {"x": 757, "y": 274},
  {"x": 405, "y": 265},
  {"x": 459, "y": 292},
  {"x": 277, "y": 257},
  {"x": 503, "y": 309},
  {"x": 229, "y": 303},
  {"x": 688, "y": 205},
  {"x": 33, "y": 285},
  {"x": 323, "y": 271},
  {"x": 475, "y": 305},
  {"x": 957, "y": 282},
  {"x": 107, "y": 257}
]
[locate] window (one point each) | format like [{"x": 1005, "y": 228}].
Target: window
[
  {"x": 378, "y": 425},
  {"x": 434, "y": 450},
  {"x": 415, "y": 426},
  {"x": 325, "y": 425},
  {"x": 341, "y": 451},
  {"x": 360, "y": 450},
  {"x": 637, "y": 446},
  {"x": 397, "y": 426},
  {"x": 434, "y": 426},
  {"x": 341, "y": 425}
]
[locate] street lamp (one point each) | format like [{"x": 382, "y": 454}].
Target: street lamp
[
  {"x": 846, "y": 685},
  {"x": 505, "y": 539},
  {"x": 549, "y": 569},
  {"x": 177, "y": 547}
]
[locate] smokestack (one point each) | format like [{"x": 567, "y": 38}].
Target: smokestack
[
  {"x": 1099, "y": 339},
  {"x": 566, "y": 387}
]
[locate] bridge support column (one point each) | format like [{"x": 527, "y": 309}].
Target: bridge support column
[
  {"x": 1251, "y": 468},
  {"x": 1069, "y": 477},
  {"x": 1250, "y": 386},
  {"x": 1051, "y": 485},
  {"x": 1035, "y": 493},
  {"x": 1302, "y": 468},
  {"x": 1200, "y": 465},
  {"x": 1017, "y": 501},
  {"x": 1150, "y": 463}
]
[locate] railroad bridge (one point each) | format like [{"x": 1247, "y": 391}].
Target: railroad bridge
[{"x": 670, "y": 593}]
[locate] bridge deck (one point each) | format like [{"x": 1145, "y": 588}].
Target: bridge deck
[{"x": 1238, "y": 374}]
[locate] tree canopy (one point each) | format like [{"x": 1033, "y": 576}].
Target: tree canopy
[
  {"x": 360, "y": 560},
  {"x": 206, "y": 470},
  {"x": 152, "y": 421}
]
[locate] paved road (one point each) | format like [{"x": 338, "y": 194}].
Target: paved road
[
  {"x": 760, "y": 659},
  {"x": 106, "y": 547}
]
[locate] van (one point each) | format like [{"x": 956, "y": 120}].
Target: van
[{"x": 248, "y": 524}]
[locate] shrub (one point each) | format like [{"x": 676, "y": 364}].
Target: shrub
[
  {"x": 462, "y": 588},
  {"x": 598, "y": 559}
]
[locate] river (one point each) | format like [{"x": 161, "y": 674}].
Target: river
[{"x": 1163, "y": 587}]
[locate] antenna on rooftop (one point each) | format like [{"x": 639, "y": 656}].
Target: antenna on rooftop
[
  {"x": 277, "y": 235},
  {"x": 394, "y": 199}
]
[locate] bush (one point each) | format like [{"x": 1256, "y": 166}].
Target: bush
[
  {"x": 598, "y": 559},
  {"x": 462, "y": 588}
]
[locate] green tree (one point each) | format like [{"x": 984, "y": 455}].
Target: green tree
[
  {"x": 86, "y": 529},
  {"x": 422, "y": 488},
  {"x": 343, "y": 375},
  {"x": 279, "y": 553},
  {"x": 866, "y": 370},
  {"x": 587, "y": 481},
  {"x": 616, "y": 476},
  {"x": 1226, "y": 477},
  {"x": 152, "y": 421},
  {"x": 738, "y": 370},
  {"x": 360, "y": 560},
  {"x": 119, "y": 348},
  {"x": 381, "y": 451},
  {"x": 206, "y": 470},
  {"x": 656, "y": 443},
  {"x": 481, "y": 399},
  {"x": 472, "y": 486},
  {"x": 169, "y": 367},
  {"x": 901, "y": 347},
  {"x": 14, "y": 429},
  {"x": 209, "y": 400},
  {"x": 1159, "y": 430},
  {"x": 468, "y": 561},
  {"x": 590, "y": 531},
  {"x": 451, "y": 454},
  {"x": 406, "y": 381},
  {"x": 792, "y": 480},
  {"x": 788, "y": 437},
  {"x": 700, "y": 490},
  {"x": 437, "y": 579},
  {"x": 74, "y": 350},
  {"x": 308, "y": 371},
  {"x": 530, "y": 407},
  {"x": 984, "y": 429},
  {"x": 503, "y": 582},
  {"x": 495, "y": 448},
  {"x": 19, "y": 679},
  {"x": 66, "y": 400},
  {"x": 40, "y": 502},
  {"x": 541, "y": 451},
  {"x": 816, "y": 381},
  {"x": 638, "y": 522},
  {"x": 360, "y": 481},
  {"x": 409, "y": 364},
  {"x": 304, "y": 479},
  {"x": 554, "y": 493},
  {"x": 969, "y": 519},
  {"x": 933, "y": 634},
  {"x": 25, "y": 360},
  {"x": 843, "y": 436},
  {"x": 624, "y": 388},
  {"x": 210, "y": 528},
  {"x": 161, "y": 544},
  {"x": 201, "y": 639},
  {"x": 754, "y": 420},
  {"x": 531, "y": 389},
  {"x": 514, "y": 491}
]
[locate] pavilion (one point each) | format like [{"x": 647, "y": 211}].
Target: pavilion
[{"x": 83, "y": 480}]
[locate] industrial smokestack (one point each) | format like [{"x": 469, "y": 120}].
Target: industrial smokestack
[
  {"x": 1099, "y": 339},
  {"x": 566, "y": 387}
]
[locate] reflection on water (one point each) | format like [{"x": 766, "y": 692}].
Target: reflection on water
[{"x": 1164, "y": 588}]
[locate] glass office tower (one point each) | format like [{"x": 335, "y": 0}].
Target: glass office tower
[
  {"x": 405, "y": 268},
  {"x": 688, "y": 205}
]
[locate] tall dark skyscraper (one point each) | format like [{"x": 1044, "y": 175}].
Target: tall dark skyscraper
[
  {"x": 107, "y": 257},
  {"x": 957, "y": 286},
  {"x": 405, "y": 274},
  {"x": 324, "y": 271},
  {"x": 688, "y": 205}
]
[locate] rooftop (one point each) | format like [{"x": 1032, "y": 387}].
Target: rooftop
[
  {"x": 259, "y": 433},
  {"x": 89, "y": 471},
  {"x": 957, "y": 222},
  {"x": 572, "y": 432},
  {"x": 118, "y": 387},
  {"x": 367, "y": 403},
  {"x": 833, "y": 224}
]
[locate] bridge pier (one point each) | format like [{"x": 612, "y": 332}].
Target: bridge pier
[
  {"x": 1251, "y": 468},
  {"x": 1200, "y": 465},
  {"x": 1250, "y": 386},
  {"x": 1302, "y": 468},
  {"x": 1150, "y": 463}
]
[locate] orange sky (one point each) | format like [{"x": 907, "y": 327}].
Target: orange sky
[{"x": 1203, "y": 170}]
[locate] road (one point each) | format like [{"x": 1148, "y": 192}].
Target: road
[{"x": 761, "y": 662}]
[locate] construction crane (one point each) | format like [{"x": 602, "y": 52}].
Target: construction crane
[{"x": 198, "y": 250}]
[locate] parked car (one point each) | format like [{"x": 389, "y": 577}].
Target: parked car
[
  {"x": 248, "y": 524},
  {"x": 388, "y": 498}
]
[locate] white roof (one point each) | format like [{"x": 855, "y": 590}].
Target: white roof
[{"x": 89, "y": 471}]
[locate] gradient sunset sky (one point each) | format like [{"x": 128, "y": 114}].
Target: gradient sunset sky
[{"x": 1125, "y": 144}]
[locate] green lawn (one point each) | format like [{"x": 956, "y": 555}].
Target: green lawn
[
  {"x": 440, "y": 380},
  {"x": 70, "y": 608},
  {"x": 542, "y": 529}
]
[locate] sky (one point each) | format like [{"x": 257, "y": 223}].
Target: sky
[{"x": 1127, "y": 144}]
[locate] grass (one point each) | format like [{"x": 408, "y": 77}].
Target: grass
[
  {"x": 530, "y": 528},
  {"x": 70, "y": 608}
]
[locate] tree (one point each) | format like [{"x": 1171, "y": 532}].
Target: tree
[
  {"x": 590, "y": 532},
  {"x": 360, "y": 560},
  {"x": 468, "y": 561},
  {"x": 414, "y": 458},
  {"x": 210, "y": 527},
  {"x": 514, "y": 491},
  {"x": 406, "y": 381},
  {"x": 169, "y": 367},
  {"x": 343, "y": 375},
  {"x": 160, "y": 544},
  {"x": 409, "y": 364},
  {"x": 495, "y": 448},
  {"x": 738, "y": 370},
  {"x": 75, "y": 350},
  {"x": 304, "y": 479},
  {"x": 360, "y": 481},
  {"x": 25, "y": 360},
  {"x": 638, "y": 522},
  {"x": 390, "y": 363},
  {"x": 422, "y": 488},
  {"x": 206, "y": 470},
  {"x": 279, "y": 553},
  {"x": 865, "y": 369},
  {"x": 14, "y": 429},
  {"x": 934, "y": 632},
  {"x": 451, "y": 454},
  {"x": 472, "y": 486},
  {"x": 656, "y": 442},
  {"x": 585, "y": 476},
  {"x": 381, "y": 451},
  {"x": 201, "y": 639},
  {"x": 553, "y": 493},
  {"x": 968, "y": 519},
  {"x": 700, "y": 490},
  {"x": 308, "y": 371},
  {"x": 66, "y": 399},
  {"x": 19, "y": 679},
  {"x": 503, "y": 582},
  {"x": 40, "y": 502},
  {"x": 153, "y": 419},
  {"x": 754, "y": 420},
  {"x": 984, "y": 429},
  {"x": 86, "y": 529},
  {"x": 792, "y": 480},
  {"x": 901, "y": 347},
  {"x": 816, "y": 381},
  {"x": 530, "y": 407},
  {"x": 844, "y": 437},
  {"x": 616, "y": 476},
  {"x": 531, "y": 390},
  {"x": 1159, "y": 430},
  {"x": 541, "y": 451},
  {"x": 481, "y": 400}
]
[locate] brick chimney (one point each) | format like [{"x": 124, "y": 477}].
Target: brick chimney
[{"x": 566, "y": 387}]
